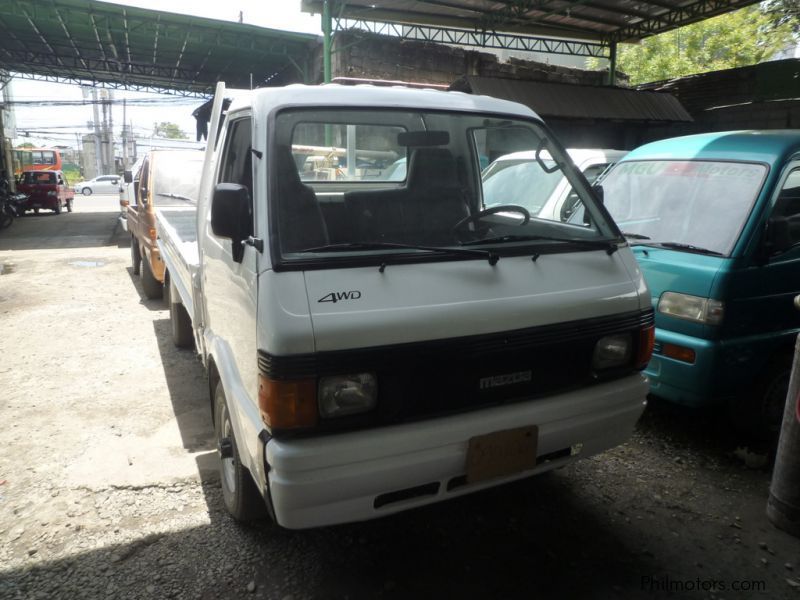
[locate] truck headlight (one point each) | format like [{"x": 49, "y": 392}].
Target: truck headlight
[
  {"x": 691, "y": 308},
  {"x": 347, "y": 394},
  {"x": 612, "y": 351}
]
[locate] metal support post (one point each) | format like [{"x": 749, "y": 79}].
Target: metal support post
[
  {"x": 783, "y": 507},
  {"x": 326, "y": 41},
  {"x": 612, "y": 64}
]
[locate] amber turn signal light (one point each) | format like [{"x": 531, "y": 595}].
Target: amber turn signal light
[
  {"x": 680, "y": 353},
  {"x": 288, "y": 404},
  {"x": 647, "y": 339}
]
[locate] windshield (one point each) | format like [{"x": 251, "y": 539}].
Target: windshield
[
  {"x": 390, "y": 183},
  {"x": 176, "y": 177},
  {"x": 700, "y": 204},
  {"x": 520, "y": 181}
]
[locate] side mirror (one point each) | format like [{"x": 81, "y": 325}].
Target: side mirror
[
  {"x": 127, "y": 176},
  {"x": 230, "y": 215},
  {"x": 778, "y": 237}
]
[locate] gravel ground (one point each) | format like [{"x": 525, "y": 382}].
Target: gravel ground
[{"x": 108, "y": 477}]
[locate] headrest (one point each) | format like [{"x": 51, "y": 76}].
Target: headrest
[{"x": 432, "y": 167}]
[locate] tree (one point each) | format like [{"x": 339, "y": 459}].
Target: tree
[
  {"x": 168, "y": 130},
  {"x": 784, "y": 11},
  {"x": 737, "y": 39}
]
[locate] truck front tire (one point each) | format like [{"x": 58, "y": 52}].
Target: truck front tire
[
  {"x": 152, "y": 287},
  {"x": 239, "y": 492}
]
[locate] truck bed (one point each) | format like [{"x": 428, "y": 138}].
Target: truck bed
[{"x": 177, "y": 242}]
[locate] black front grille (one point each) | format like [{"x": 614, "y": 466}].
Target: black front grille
[{"x": 425, "y": 379}]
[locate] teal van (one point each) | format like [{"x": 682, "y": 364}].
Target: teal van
[{"x": 714, "y": 221}]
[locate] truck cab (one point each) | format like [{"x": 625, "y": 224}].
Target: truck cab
[
  {"x": 714, "y": 221},
  {"x": 378, "y": 339}
]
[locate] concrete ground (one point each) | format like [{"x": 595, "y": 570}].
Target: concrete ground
[{"x": 108, "y": 476}]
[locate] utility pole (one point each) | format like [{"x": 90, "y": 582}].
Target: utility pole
[
  {"x": 112, "y": 163},
  {"x": 124, "y": 136},
  {"x": 97, "y": 145}
]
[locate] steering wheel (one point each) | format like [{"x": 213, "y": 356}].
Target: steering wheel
[{"x": 493, "y": 211}]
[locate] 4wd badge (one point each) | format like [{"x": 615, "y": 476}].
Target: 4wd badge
[{"x": 338, "y": 296}]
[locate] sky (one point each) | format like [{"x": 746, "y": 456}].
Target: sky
[{"x": 61, "y": 122}]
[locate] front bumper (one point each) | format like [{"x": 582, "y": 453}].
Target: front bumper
[
  {"x": 341, "y": 478},
  {"x": 721, "y": 370}
]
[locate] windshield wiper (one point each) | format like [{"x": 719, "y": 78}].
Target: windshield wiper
[
  {"x": 176, "y": 197},
  {"x": 635, "y": 236},
  {"x": 490, "y": 256},
  {"x": 608, "y": 245},
  {"x": 689, "y": 247}
]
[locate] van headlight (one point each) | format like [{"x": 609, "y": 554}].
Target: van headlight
[
  {"x": 347, "y": 394},
  {"x": 691, "y": 308},
  {"x": 612, "y": 351}
]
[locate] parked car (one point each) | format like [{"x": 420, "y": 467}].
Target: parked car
[
  {"x": 714, "y": 221},
  {"x": 103, "y": 184},
  {"x": 45, "y": 189},
  {"x": 545, "y": 195},
  {"x": 166, "y": 178},
  {"x": 376, "y": 346}
]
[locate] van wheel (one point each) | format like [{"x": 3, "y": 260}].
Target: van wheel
[
  {"x": 239, "y": 492},
  {"x": 136, "y": 257},
  {"x": 182, "y": 334},
  {"x": 759, "y": 411},
  {"x": 152, "y": 286}
]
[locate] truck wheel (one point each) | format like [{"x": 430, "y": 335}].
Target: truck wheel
[
  {"x": 758, "y": 412},
  {"x": 136, "y": 258},
  {"x": 152, "y": 286},
  {"x": 57, "y": 209},
  {"x": 239, "y": 492},
  {"x": 69, "y": 205},
  {"x": 86, "y": 191},
  {"x": 182, "y": 334}
]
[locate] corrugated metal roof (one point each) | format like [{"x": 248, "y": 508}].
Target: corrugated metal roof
[
  {"x": 90, "y": 41},
  {"x": 579, "y": 101},
  {"x": 605, "y": 20}
]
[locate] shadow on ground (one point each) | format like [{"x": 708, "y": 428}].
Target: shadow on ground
[
  {"x": 48, "y": 231},
  {"x": 536, "y": 538}
]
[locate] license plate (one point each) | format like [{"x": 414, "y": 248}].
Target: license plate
[{"x": 502, "y": 453}]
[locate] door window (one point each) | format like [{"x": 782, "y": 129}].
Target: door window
[
  {"x": 237, "y": 167},
  {"x": 787, "y": 205}
]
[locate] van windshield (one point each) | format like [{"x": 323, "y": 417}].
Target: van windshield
[
  {"x": 360, "y": 183},
  {"x": 696, "y": 205},
  {"x": 176, "y": 177}
]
